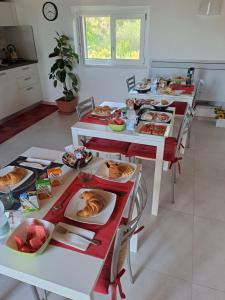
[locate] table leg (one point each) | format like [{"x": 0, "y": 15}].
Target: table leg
[
  {"x": 157, "y": 179},
  {"x": 75, "y": 138}
]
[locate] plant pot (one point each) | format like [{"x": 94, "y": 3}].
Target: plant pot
[{"x": 67, "y": 107}]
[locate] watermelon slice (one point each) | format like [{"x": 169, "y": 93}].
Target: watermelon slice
[
  {"x": 36, "y": 237},
  {"x": 19, "y": 242}
]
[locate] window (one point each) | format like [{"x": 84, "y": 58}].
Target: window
[{"x": 112, "y": 38}]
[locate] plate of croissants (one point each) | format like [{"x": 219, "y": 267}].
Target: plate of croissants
[
  {"x": 92, "y": 206},
  {"x": 13, "y": 177},
  {"x": 115, "y": 170}
]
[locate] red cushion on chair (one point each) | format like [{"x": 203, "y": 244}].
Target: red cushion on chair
[
  {"x": 150, "y": 151},
  {"x": 102, "y": 285},
  {"x": 180, "y": 107},
  {"x": 106, "y": 145}
]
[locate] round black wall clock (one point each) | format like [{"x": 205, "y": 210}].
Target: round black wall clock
[{"x": 50, "y": 11}]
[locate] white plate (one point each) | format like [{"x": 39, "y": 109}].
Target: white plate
[
  {"x": 76, "y": 204},
  {"x": 104, "y": 114},
  {"x": 144, "y": 117},
  {"x": 102, "y": 172},
  {"x": 9, "y": 169},
  {"x": 72, "y": 239},
  {"x": 160, "y": 124}
]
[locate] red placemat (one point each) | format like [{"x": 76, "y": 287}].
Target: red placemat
[
  {"x": 88, "y": 118},
  {"x": 188, "y": 88},
  {"x": 104, "y": 233}
]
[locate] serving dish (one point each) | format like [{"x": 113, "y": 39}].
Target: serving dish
[
  {"x": 152, "y": 129},
  {"x": 156, "y": 116},
  {"x": 161, "y": 104},
  {"x": 74, "y": 163}
]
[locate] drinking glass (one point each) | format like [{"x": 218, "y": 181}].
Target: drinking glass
[
  {"x": 85, "y": 177},
  {"x": 6, "y": 197},
  {"x": 4, "y": 224}
]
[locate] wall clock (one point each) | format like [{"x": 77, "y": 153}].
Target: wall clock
[{"x": 50, "y": 11}]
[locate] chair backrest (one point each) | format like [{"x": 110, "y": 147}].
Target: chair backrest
[
  {"x": 201, "y": 83},
  {"x": 125, "y": 232},
  {"x": 130, "y": 83},
  {"x": 85, "y": 107},
  {"x": 185, "y": 125}
]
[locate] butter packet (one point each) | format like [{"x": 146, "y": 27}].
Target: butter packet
[
  {"x": 44, "y": 189},
  {"x": 55, "y": 176},
  {"x": 29, "y": 202}
]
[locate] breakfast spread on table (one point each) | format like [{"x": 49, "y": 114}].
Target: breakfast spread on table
[
  {"x": 117, "y": 170},
  {"x": 13, "y": 177},
  {"x": 94, "y": 204}
]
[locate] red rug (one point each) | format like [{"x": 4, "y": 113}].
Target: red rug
[{"x": 17, "y": 124}]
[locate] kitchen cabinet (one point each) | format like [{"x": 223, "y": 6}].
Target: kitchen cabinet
[
  {"x": 19, "y": 88},
  {"x": 7, "y": 14}
]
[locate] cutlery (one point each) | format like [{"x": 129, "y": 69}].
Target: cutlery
[
  {"x": 118, "y": 193},
  {"x": 63, "y": 230},
  {"x": 60, "y": 206}
]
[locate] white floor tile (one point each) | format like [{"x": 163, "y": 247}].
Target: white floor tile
[
  {"x": 203, "y": 293},
  {"x": 209, "y": 253}
]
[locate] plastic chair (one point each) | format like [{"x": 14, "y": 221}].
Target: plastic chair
[{"x": 130, "y": 83}]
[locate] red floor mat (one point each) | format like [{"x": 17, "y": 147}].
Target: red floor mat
[{"x": 17, "y": 124}]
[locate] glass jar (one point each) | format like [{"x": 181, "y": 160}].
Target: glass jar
[{"x": 6, "y": 197}]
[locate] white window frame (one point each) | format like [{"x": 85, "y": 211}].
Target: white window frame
[{"x": 114, "y": 13}]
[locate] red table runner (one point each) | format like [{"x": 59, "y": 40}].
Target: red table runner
[
  {"x": 88, "y": 118},
  {"x": 188, "y": 88},
  {"x": 104, "y": 233}
]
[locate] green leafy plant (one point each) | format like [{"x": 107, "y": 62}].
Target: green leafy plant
[{"x": 61, "y": 70}]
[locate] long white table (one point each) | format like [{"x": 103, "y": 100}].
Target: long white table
[
  {"x": 68, "y": 273},
  {"x": 102, "y": 131},
  {"x": 158, "y": 95}
]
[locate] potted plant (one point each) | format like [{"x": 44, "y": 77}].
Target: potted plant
[{"x": 61, "y": 73}]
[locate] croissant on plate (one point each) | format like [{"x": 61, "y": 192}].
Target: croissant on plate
[
  {"x": 13, "y": 177},
  {"x": 94, "y": 204},
  {"x": 117, "y": 170}
]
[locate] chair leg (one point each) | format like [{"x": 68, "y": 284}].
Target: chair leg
[
  {"x": 129, "y": 263},
  {"x": 45, "y": 295},
  {"x": 189, "y": 137},
  {"x": 35, "y": 293},
  {"x": 174, "y": 181}
]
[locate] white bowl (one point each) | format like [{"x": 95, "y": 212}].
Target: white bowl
[{"x": 21, "y": 232}]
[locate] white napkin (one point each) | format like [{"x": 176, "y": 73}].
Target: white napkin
[
  {"x": 38, "y": 160},
  {"x": 72, "y": 239},
  {"x": 33, "y": 165}
]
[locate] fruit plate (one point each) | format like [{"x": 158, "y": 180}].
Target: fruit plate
[
  {"x": 9, "y": 169},
  {"x": 21, "y": 232},
  {"x": 102, "y": 172},
  {"x": 76, "y": 204}
]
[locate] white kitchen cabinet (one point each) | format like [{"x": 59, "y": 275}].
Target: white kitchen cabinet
[
  {"x": 19, "y": 88},
  {"x": 7, "y": 14}
]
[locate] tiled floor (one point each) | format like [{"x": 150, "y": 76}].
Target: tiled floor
[{"x": 182, "y": 251}]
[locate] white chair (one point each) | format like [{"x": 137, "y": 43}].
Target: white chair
[{"x": 85, "y": 107}]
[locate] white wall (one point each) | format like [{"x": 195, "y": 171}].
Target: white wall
[{"x": 176, "y": 32}]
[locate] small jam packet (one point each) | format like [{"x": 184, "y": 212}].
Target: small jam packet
[
  {"x": 55, "y": 176},
  {"x": 44, "y": 189},
  {"x": 29, "y": 202}
]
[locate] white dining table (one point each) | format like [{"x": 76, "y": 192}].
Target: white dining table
[
  {"x": 80, "y": 129},
  {"x": 70, "y": 274}
]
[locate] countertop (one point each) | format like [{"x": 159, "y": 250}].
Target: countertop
[{"x": 17, "y": 64}]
